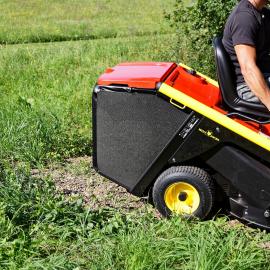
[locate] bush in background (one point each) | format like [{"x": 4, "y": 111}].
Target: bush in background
[{"x": 196, "y": 24}]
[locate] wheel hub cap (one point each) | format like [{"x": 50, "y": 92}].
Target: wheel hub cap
[{"x": 182, "y": 198}]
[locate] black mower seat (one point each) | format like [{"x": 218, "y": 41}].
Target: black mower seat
[{"x": 227, "y": 84}]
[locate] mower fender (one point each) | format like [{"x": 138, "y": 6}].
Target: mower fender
[{"x": 248, "y": 176}]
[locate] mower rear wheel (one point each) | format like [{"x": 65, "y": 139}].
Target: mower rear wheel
[{"x": 184, "y": 190}]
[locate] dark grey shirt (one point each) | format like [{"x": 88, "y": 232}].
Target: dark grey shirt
[{"x": 249, "y": 26}]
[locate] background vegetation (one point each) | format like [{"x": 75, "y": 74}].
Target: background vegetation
[
  {"x": 196, "y": 23},
  {"x": 24, "y": 21},
  {"x": 45, "y": 99}
]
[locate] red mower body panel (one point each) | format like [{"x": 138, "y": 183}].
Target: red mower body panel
[
  {"x": 137, "y": 75},
  {"x": 195, "y": 86}
]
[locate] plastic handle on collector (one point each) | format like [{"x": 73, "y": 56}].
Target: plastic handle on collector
[{"x": 176, "y": 105}]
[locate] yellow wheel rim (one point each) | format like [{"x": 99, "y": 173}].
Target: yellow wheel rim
[{"x": 182, "y": 198}]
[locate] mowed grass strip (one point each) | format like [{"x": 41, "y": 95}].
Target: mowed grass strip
[
  {"x": 40, "y": 229},
  {"x": 24, "y": 21},
  {"x": 45, "y": 93}
]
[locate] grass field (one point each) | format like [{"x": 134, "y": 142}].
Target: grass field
[
  {"x": 45, "y": 99},
  {"x": 25, "y": 21},
  {"x": 46, "y": 93},
  {"x": 41, "y": 230}
]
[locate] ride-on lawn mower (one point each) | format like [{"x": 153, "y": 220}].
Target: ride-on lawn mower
[{"x": 166, "y": 129}]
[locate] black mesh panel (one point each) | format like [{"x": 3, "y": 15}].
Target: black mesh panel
[{"x": 131, "y": 130}]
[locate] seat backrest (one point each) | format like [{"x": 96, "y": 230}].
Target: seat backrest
[
  {"x": 227, "y": 84},
  {"x": 225, "y": 73}
]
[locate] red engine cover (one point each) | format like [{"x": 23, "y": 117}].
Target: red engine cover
[{"x": 138, "y": 74}]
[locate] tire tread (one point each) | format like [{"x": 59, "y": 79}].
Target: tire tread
[{"x": 199, "y": 173}]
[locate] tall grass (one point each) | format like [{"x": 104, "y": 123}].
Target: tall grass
[
  {"x": 177, "y": 244},
  {"x": 57, "y": 20},
  {"x": 45, "y": 93},
  {"x": 41, "y": 230}
]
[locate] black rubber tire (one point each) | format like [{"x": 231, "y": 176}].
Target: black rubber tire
[{"x": 194, "y": 176}]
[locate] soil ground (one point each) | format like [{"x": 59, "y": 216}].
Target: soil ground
[{"x": 76, "y": 177}]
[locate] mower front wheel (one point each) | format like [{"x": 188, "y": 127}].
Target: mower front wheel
[{"x": 184, "y": 190}]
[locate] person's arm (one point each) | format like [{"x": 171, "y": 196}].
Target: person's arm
[{"x": 253, "y": 76}]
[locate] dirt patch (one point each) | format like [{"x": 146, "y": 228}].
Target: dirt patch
[
  {"x": 76, "y": 177},
  {"x": 265, "y": 245},
  {"x": 234, "y": 223}
]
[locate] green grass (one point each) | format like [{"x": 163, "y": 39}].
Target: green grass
[
  {"x": 45, "y": 89},
  {"x": 41, "y": 230},
  {"x": 45, "y": 93},
  {"x": 25, "y": 21}
]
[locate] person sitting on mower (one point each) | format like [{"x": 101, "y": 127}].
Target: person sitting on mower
[{"x": 246, "y": 38}]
